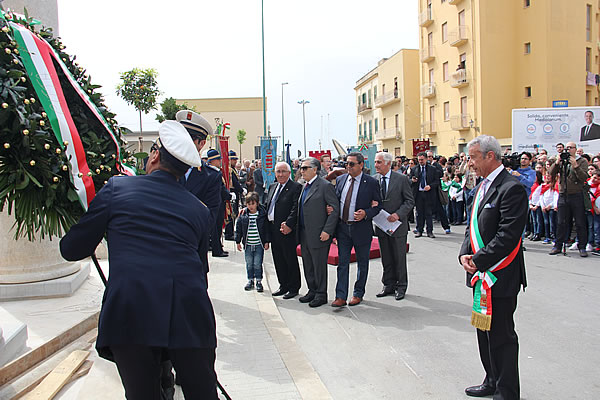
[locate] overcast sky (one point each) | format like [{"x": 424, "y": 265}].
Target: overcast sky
[{"x": 213, "y": 49}]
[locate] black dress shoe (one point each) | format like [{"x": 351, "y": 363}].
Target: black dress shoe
[
  {"x": 230, "y": 238},
  {"x": 480, "y": 390},
  {"x": 317, "y": 302},
  {"x": 555, "y": 250},
  {"x": 430, "y": 235},
  {"x": 399, "y": 295},
  {"x": 290, "y": 295},
  {"x": 307, "y": 298},
  {"x": 583, "y": 253},
  {"x": 418, "y": 234},
  {"x": 385, "y": 292},
  {"x": 223, "y": 254},
  {"x": 279, "y": 292}
]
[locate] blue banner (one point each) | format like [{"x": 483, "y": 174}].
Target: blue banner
[{"x": 268, "y": 157}]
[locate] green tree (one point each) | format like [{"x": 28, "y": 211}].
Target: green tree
[
  {"x": 241, "y": 138},
  {"x": 140, "y": 89},
  {"x": 169, "y": 108}
]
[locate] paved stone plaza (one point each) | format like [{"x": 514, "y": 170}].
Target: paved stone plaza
[{"x": 422, "y": 347}]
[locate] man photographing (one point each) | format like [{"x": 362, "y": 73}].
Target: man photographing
[
  {"x": 156, "y": 302},
  {"x": 572, "y": 170}
]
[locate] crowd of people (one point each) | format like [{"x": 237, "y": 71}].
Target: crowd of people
[{"x": 317, "y": 203}]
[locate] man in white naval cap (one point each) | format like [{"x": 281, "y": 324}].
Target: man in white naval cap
[
  {"x": 156, "y": 302},
  {"x": 204, "y": 182}
]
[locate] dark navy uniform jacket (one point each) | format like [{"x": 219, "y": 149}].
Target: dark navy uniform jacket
[
  {"x": 156, "y": 293},
  {"x": 205, "y": 183}
]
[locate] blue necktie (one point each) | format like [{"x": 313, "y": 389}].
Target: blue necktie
[
  {"x": 383, "y": 188},
  {"x": 275, "y": 197},
  {"x": 422, "y": 177},
  {"x": 304, "y": 193}
]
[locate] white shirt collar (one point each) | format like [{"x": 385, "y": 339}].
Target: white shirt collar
[
  {"x": 313, "y": 179},
  {"x": 388, "y": 175},
  {"x": 490, "y": 178}
]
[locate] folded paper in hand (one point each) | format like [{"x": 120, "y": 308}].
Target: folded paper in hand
[{"x": 381, "y": 221}]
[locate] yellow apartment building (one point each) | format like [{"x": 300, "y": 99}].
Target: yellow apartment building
[
  {"x": 242, "y": 113},
  {"x": 388, "y": 103},
  {"x": 480, "y": 59}
]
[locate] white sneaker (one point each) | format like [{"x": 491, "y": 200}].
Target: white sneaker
[
  {"x": 589, "y": 247},
  {"x": 574, "y": 246}
]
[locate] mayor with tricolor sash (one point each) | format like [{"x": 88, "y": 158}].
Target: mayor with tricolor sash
[{"x": 492, "y": 255}]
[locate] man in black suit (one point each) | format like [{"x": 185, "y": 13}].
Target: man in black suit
[
  {"x": 397, "y": 199},
  {"x": 316, "y": 228},
  {"x": 156, "y": 299},
  {"x": 492, "y": 252},
  {"x": 590, "y": 131},
  {"x": 357, "y": 193},
  {"x": 259, "y": 183},
  {"x": 425, "y": 180},
  {"x": 282, "y": 214}
]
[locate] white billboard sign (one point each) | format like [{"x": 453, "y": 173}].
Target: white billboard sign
[{"x": 543, "y": 128}]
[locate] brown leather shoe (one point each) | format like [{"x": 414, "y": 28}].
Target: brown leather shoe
[
  {"x": 354, "y": 301},
  {"x": 338, "y": 302}
]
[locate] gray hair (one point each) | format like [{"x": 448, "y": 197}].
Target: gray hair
[
  {"x": 287, "y": 166},
  {"x": 486, "y": 144},
  {"x": 387, "y": 157},
  {"x": 313, "y": 162}
]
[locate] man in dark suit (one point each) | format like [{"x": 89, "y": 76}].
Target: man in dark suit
[
  {"x": 259, "y": 183},
  {"x": 154, "y": 303},
  {"x": 492, "y": 252},
  {"x": 356, "y": 192},
  {"x": 397, "y": 200},
  {"x": 214, "y": 163},
  {"x": 315, "y": 229},
  {"x": 235, "y": 187},
  {"x": 425, "y": 180},
  {"x": 590, "y": 131},
  {"x": 282, "y": 214}
]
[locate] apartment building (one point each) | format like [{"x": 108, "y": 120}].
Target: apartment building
[
  {"x": 480, "y": 59},
  {"x": 387, "y": 101}
]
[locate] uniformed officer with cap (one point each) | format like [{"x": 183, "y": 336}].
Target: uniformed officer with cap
[
  {"x": 203, "y": 182},
  {"x": 214, "y": 162},
  {"x": 235, "y": 187},
  {"x": 156, "y": 299}
]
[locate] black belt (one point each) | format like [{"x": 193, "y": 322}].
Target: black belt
[{"x": 347, "y": 222}]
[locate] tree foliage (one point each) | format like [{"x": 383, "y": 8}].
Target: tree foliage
[
  {"x": 241, "y": 136},
  {"x": 169, "y": 108},
  {"x": 139, "y": 88}
]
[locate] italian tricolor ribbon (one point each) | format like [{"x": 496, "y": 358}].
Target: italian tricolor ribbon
[
  {"x": 41, "y": 62},
  {"x": 481, "y": 316}
]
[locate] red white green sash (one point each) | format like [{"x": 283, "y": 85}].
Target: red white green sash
[{"x": 481, "y": 316}]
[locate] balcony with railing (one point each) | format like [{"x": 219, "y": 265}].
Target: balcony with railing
[
  {"x": 389, "y": 133},
  {"x": 427, "y": 54},
  {"x": 461, "y": 122},
  {"x": 458, "y": 36},
  {"x": 364, "y": 107},
  {"x": 428, "y": 90},
  {"x": 387, "y": 98},
  {"x": 459, "y": 79},
  {"x": 426, "y": 18},
  {"x": 429, "y": 128}
]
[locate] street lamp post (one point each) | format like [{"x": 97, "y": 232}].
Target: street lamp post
[
  {"x": 282, "y": 122},
  {"x": 304, "y": 102}
]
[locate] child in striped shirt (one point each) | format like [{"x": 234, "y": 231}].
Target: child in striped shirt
[{"x": 252, "y": 231}]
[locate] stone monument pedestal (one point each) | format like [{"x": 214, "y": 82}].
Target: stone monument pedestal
[{"x": 35, "y": 269}]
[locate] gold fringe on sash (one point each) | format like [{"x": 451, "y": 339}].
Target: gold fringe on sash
[{"x": 481, "y": 321}]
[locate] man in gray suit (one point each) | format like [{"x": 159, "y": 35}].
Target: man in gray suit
[
  {"x": 398, "y": 201},
  {"x": 316, "y": 229}
]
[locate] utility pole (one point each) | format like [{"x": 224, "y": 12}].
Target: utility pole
[{"x": 304, "y": 103}]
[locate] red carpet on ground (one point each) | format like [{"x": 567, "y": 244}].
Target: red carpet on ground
[{"x": 334, "y": 258}]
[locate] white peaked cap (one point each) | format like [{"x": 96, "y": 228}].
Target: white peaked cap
[
  {"x": 177, "y": 141},
  {"x": 194, "y": 122}
]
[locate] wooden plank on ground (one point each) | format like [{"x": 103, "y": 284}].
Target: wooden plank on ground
[{"x": 58, "y": 377}]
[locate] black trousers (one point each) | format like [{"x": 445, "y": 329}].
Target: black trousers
[
  {"x": 393, "y": 259},
  {"x": 425, "y": 204},
  {"x": 571, "y": 206},
  {"x": 314, "y": 261},
  {"x": 140, "y": 371},
  {"x": 499, "y": 350},
  {"x": 285, "y": 259}
]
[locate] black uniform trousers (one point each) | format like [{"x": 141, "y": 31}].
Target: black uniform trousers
[
  {"x": 140, "y": 371},
  {"x": 499, "y": 350},
  {"x": 571, "y": 206},
  {"x": 215, "y": 238},
  {"x": 285, "y": 259},
  {"x": 393, "y": 259}
]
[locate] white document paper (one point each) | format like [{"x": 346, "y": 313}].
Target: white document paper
[{"x": 381, "y": 221}]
